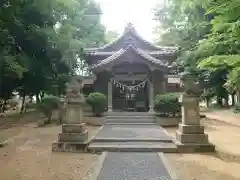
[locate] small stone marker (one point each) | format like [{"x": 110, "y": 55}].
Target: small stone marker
[{"x": 74, "y": 136}]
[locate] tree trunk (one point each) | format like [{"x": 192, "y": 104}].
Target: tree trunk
[
  {"x": 49, "y": 118},
  {"x": 23, "y": 103},
  {"x": 238, "y": 96},
  {"x": 31, "y": 99},
  {"x": 4, "y": 105},
  {"x": 233, "y": 99},
  {"x": 42, "y": 95},
  {"x": 219, "y": 100},
  {"x": 207, "y": 102},
  {"x": 37, "y": 97},
  {"x": 226, "y": 101}
]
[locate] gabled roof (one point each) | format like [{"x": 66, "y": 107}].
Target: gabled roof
[
  {"x": 122, "y": 51},
  {"x": 130, "y": 29}
]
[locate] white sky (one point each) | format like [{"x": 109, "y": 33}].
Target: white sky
[{"x": 117, "y": 13}]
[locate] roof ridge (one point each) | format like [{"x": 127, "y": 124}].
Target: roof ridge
[
  {"x": 129, "y": 28},
  {"x": 123, "y": 50}
]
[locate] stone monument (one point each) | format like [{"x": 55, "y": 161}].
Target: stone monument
[
  {"x": 74, "y": 135},
  {"x": 190, "y": 136}
]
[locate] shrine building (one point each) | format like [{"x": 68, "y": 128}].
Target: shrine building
[{"x": 131, "y": 71}]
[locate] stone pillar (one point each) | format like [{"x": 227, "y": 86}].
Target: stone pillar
[
  {"x": 74, "y": 135},
  {"x": 110, "y": 96},
  {"x": 151, "y": 96},
  {"x": 190, "y": 136}
]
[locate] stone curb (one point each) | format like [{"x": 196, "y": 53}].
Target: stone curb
[
  {"x": 172, "y": 173},
  {"x": 97, "y": 167}
]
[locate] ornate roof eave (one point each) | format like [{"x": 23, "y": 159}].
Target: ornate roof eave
[
  {"x": 102, "y": 53},
  {"x": 129, "y": 28},
  {"x": 124, "y": 50}
]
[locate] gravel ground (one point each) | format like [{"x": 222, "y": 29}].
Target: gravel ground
[
  {"x": 222, "y": 165},
  {"x": 203, "y": 167},
  {"x": 28, "y": 156}
]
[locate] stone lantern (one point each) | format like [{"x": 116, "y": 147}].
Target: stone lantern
[
  {"x": 190, "y": 136},
  {"x": 74, "y": 135}
]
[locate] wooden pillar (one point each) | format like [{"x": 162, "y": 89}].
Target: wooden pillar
[
  {"x": 164, "y": 84},
  {"x": 110, "y": 96},
  {"x": 151, "y": 96}
]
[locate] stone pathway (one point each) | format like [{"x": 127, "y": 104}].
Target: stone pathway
[
  {"x": 130, "y": 145},
  {"x": 134, "y": 166}
]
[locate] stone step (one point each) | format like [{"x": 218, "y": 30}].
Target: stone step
[
  {"x": 133, "y": 147},
  {"x": 129, "y": 123},
  {"x": 129, "y": 117},
  {"x": 131, "y": 114},
  {"x": 130, "y": 120},
  {"x": 127, "y": 140}
]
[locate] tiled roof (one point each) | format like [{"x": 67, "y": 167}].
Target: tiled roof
[
  {"x": 130, "y": 28},
  {"x": 122, "y": 51}
]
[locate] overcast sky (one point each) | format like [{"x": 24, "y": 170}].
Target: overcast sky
[{"x": 117, "y": 13}]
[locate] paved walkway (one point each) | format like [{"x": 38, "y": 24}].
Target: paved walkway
[
  {"x": 134, "y": 166},
  {"x": 225, "y": 116},
  {"x": 130, "y": 143}
]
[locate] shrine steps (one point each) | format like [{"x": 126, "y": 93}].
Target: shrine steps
[
  {"x": 132, "y": 137},
  {"x": 130, "y": 117},
  {"x": 133, "y": 147}
]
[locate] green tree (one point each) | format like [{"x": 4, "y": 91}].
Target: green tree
[
  {"x": 206, "y": 32},
  {"x": 111, "y": 36},
  {"x": 41, "y": 42}
]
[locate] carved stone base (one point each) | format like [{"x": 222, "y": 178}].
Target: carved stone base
[
  {"x": 73, "y": 138},
  {"x": 191, "y": 129},
  {"x": 70, "y": 146},
  {"x": 194, "y": 148},
  {"x": 73, "y": 128},
  {"x": 191, "y": 138}
]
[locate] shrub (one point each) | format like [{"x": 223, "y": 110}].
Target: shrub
[
  {"x": 98, "y": 102},
  {"x": 47, "y": 105},
  {"x": 167, "y": 104}
]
